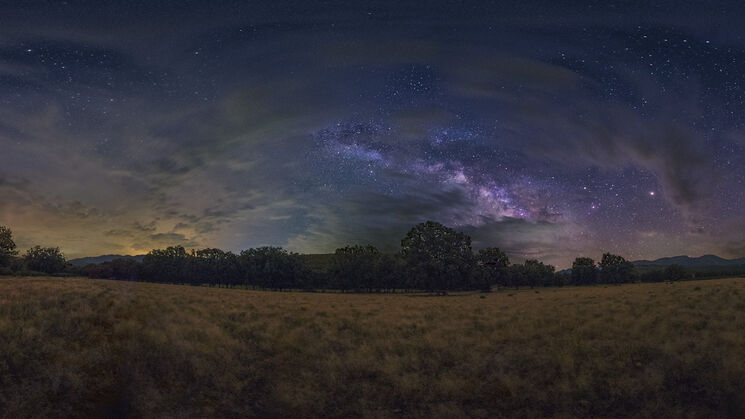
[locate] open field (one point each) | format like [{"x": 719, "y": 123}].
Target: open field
[{"x": 81, "y": 347}]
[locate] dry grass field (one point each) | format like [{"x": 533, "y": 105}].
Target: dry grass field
[{"x": 82, "y": 348}]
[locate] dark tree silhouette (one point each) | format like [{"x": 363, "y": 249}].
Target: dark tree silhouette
[
  {"x": 615, "y": 269},
  {"x": 168, "y": 265},
  {"x": 584, "y": 271},
  {"x": 656, "y": 275},
  {"x": 214, "y": 266},
  {"x": 438, "y": 258},
  {"x": 357, "y": 268},
  {"x": 674, "y": 273},
  {"x": 537, "y": 274},
  {"x": 45, "y": 259},
  {"x": 532, "y": 274},
  {"x": 119, "y": 269},
  {"x": 7, "y": 246},
  {"x": 273, "y": 268},
  {"x": 493, "y": 263},
  {"x": 432, "y": 257}
]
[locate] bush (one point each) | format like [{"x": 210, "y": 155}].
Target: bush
[
  {"x": 119, "y": 269},
  {"x": 45, "y": 259},
  {"x": 675, "y": 273},
  {"x": 657, "y": 275},
  {"x": 532, "y": 274}
]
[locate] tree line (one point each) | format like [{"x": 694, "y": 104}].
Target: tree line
[
  {"x": 432, "y": 258},
  {"x": 37, "y": 259}
]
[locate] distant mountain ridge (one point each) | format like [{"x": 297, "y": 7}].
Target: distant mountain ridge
[
  {"x": 103, "y": 258},
  {"x": 691, "y": 262}
]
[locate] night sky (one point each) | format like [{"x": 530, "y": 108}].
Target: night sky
[{"x": 549, "y": 129}]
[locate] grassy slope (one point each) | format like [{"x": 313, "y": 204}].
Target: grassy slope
[{"x": 80, "y": 347}]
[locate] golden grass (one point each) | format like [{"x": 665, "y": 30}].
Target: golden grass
[{"x": 82, "y": 347}]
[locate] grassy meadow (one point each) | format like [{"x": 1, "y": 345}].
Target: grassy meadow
[{"x": 74, "y": 347}]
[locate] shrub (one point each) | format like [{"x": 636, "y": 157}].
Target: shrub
[{"x": 45, "y": 259}]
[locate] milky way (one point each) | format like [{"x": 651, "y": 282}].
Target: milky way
[{"x": 549, "y": 129}]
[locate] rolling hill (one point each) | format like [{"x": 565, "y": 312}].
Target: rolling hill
[{"x": 692, "y": 262}]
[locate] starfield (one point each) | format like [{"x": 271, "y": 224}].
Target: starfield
[{"x": 285, "y": 208}]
